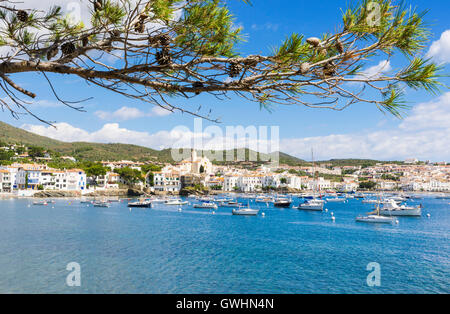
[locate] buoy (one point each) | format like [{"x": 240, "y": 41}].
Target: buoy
[
  {"x": 396, "y": 221},
  {"x": 263, "y": 214},
  {"x": 213, "y": 212},
  {"x": 179, "y": 209},
  {"x": 326, "y": 210},
  {"x": 333, "y": 218},
  {"x": 332, "y": 214},
  {"x": 29, "y": 205},
  {"x": 428, "y": 215}
]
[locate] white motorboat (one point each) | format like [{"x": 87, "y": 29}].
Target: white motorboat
[
  {"x": 264, "y": 199},
  {"x": 206, "y": 205},
  {"x": 391, "y": 208},
  {"x": 230, "y": 204},
  {"x": 314, "y": 205},
  {"x": 101, "y": 204},
  {"x": 370, "y": 201},
  {"x": 336, "y": 200},
  {"x": 375, "y": 219},
  {"x": 40, "y": 203},
  {"x": 245, "y": 212},
  {"x": 176, "y": 202}
]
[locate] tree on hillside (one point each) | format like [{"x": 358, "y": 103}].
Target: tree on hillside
[
  {"x": 154, "y": 50},
  {"x": 94, "y": 170},
  {"x": 129, "y": 175},
  {"x": 36, "y": 151}
]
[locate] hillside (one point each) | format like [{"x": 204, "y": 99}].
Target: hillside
[{"x": 99, "y": 151}]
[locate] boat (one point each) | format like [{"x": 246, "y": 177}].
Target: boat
[
  {"x": 314, "y": 205},
  {"x": 85, "y": 202},
  {"x": 40, "y": 203},
  {"x": 336, "y": 200},
  {"x": 282, "y": 202},
  {"x": 141, "y": 204},
  {"x": 375, "y": 217},
  {"x": 264, "y": 199},
  {"x": 206, "y": 205},
  {"x": 229, "y": 204},
  {"x": 393, "y": 209},
  {"x": 176, "y": 202},
  {"x": 370, "y": 201},
  {"x": 245, "y": 212},
  {"x": 101, "y": 204}
]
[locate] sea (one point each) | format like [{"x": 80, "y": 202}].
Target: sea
[{"x": 171, "y": 251}]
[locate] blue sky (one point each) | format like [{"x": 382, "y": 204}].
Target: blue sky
[{"x": 361, "y": 131}]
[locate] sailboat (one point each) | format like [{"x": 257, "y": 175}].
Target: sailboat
[
  {"x": 375, "y": 217},
  {"x": 314, "y": 204}
]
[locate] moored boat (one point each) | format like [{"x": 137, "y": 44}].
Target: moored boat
[
  {"x": 206, "y": 205},
  {"x": 393, "y": 209},
  {"x": 313, "y": 205},
  {"x": 40, "y": 203},
  {"x": 140, "y": 204},
  {"x": 245, "y": 212}
]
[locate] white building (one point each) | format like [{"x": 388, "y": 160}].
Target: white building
[{"x": 5, "y": 181}]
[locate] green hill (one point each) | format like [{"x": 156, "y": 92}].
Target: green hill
[{"x": 99, "y": 151}]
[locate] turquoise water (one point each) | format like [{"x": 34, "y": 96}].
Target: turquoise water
[{"x": 161, "y": 250}]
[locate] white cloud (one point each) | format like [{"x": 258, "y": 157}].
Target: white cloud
[
  {"x": 424, "y": 134},
  {"x": 128, "y": 113},
  {"x": 440, "y": 49},
  {"x": 376, "y": 70}
]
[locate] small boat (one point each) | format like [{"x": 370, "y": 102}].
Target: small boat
[
  {"x": 375, "y": 219},
  {"x": 284, "y": 202},
  {"x": 40, "y": 203},
  {"x": 245, "y": 212},
  {"x": 206, "y": 205},
  {"x": 260, "y": 199},
  {"x": 229, "y": 204},
  {"x": 101, "y": 204},
  {"x": 336, "y": 200},
  {"x": 176, "y": 202},
  {"x": 141, "y": 204},
  {"x": 370, "y": 201},
  {"x": 393, "y": 209},
  {"x": 85, "y": 202},
  {"x": 314, "y": 205}
]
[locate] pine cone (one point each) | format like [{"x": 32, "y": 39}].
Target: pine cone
[
  {"x": 329, "y": 69},
  {"x": 234, "y": 69},
  {"x": 159, "y": 41},
  {"x": 98, "y": 5},
  {"x": 139, "y": 27},
  {"x": 85, "y": 41},
  {"x": 305, "y": 67},
  {"x": 313, "y": 41},
  {"x": 339, "y": 46},
  {"x": 52, "y": 52},
  {"x": 68, "y": 48},
  {"x": 197, "y": 85},
  {"x": 163, "y": 57},
  {"x": 22, "y": 16}
]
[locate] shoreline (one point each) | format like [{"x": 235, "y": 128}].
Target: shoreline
[{"x": 125, "y": 193}]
